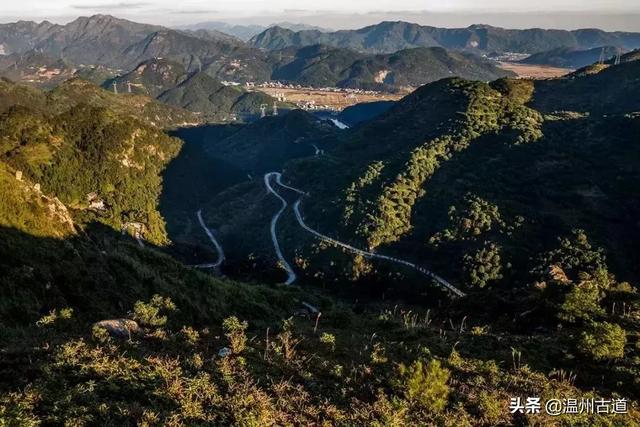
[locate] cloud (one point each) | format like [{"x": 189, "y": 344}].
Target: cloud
[{"x": 112, "y": 6}]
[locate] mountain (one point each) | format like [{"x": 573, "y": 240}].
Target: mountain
[
  {"x": 419, "y": 66},
  {"x": 23, "y": 36},
  {"x": 118, "y": 43},
  {"x": 99, "y": 39},
  {"x": 203, "y": 94},
  {"x": 325, "y": 66},
  {"x": 213, "y": 35},
  {"x": 170, "y": 83},
  {"x": 389, "y": 37},
  {"x": 566, "y": 57},
  {"x": 152, "y": 77},
  {"x": 401, "y": 182},
  {"x": 245, "y": 32}
]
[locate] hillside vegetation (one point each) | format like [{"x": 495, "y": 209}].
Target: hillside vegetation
[
  {"x": 98, "y": 160},
  {"x": 321, "y": 66}
]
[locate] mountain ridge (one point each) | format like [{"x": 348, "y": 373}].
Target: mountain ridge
[{"x": 387, "y": 37}]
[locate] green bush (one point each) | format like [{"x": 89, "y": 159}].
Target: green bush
[
  {"x": 425, "y": 385},
  {"x": 604, "y": 341},
  {"x": 148, "y": 314},
  {"x": 329, "y": 340},
  {"x": 583, "y": 300},
  {"x": 235, "y": 331}
]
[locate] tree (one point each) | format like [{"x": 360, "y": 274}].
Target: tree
[
  {"x": 574, "y": 255},
  {"x": 582, "y": 302},
  {"x": 484, "y": 266}
]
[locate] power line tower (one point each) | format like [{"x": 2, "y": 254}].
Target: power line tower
[
  {"x": 129, "y": 87},
  {"x": 618, "y": 56},
  {"x": 275, "y": 108},
  {"x": 601, "y": 60},
  {"x": 115, "y": 88},
  {"x": 263, "y": 110}
]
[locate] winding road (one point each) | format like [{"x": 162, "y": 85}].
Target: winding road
[
  {"x": 216, "y": 244},
  {"x": 274, "y": 221},
  {"x": 296, "y": 208}
]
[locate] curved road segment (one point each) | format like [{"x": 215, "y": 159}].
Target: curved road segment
[
  {"x": 296, "y": 208},
  {"x": 290, "y": 273},
  {"x": 217, "y": 245}
]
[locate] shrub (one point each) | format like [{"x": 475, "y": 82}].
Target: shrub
[
  {"x": 235, "y": 330},
  {"x": 603, "y": 341},
  {"x": 329, "y": 340},
  {"x": 288, "y": 342},
  {"x": 425, "y": 385},
  {"x": 149, "y": 313},
  {"x": 489, "y": 407},
  {"x": 54, "y": 315}
]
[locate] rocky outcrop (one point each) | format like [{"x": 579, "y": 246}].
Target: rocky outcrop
[{"x": 119, "y": 328}]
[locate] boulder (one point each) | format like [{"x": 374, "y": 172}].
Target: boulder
[{"x": 119, "y": 328}]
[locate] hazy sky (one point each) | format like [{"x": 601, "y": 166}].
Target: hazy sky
[{"x": 609, "y": 14}]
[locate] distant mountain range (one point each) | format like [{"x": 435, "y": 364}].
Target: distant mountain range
[
  {"x": 245, "y": 32},
  {"x": 386, "y": 56},
  {"x": 106, "y": 41},
  {"x": 118, "y": 43},
  {"x": 389, "y": 37}
]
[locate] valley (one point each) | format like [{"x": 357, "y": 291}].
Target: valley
[
  {"x": 327, "y": 99},
  {"x": 532, "y": 71}
]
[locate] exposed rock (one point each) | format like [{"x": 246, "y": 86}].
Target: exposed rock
[
  {"x": 59, "y": 211},
  {"x": 224, "y": 352},
  {"x": 558, "y": 274},
  {"x": 119, "y": 328}
]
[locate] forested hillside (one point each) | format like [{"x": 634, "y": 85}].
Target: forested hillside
[
  {"x": 455, "y": 148},
  {"x": 77, "y": 91},
  {"x": 322, "y": 66},
  {"x": 98, "y": 158}
]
